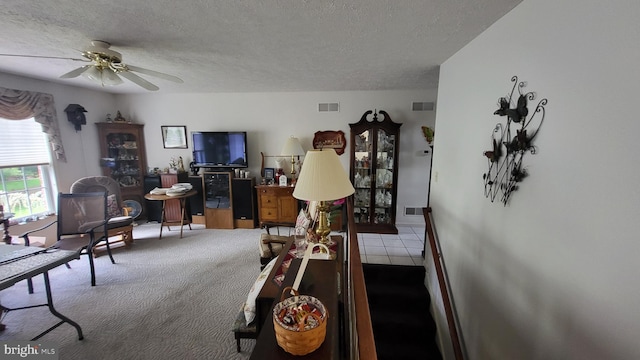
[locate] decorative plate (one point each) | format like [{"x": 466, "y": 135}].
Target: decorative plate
[
  {"x": 176, "y": 192},
  {"x": 159, "y": 191},
  {"x": 136, "y": 208},
  {"x": 186, "y": 186}
]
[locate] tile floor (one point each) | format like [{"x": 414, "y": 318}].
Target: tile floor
[{"x": 405, "y": 248}]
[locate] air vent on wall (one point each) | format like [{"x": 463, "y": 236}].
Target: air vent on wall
[
  {"x": 326, "y": 107},
  {"x": 413, "y": 211},
  {"x": 422, "y": 106}
]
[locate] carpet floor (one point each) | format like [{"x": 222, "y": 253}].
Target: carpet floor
[
  {"x": 177, "y": 299},
  {"x": 399, "y": 303},
  {"x": 174, "y": 298}
]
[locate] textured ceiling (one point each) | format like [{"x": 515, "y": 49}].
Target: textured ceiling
[{"x": 249, "y": 45}]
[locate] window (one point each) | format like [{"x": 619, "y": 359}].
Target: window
[{"x": 25, "y": 171}]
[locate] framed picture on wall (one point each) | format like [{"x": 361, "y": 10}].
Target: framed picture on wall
[
  {"x": 330, "y": 139},
  {"x": 174, "y": 137}
]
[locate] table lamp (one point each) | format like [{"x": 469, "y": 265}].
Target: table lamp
[
  {"x": 292, "y": 148},
  {"x": 322, "y": 179}
]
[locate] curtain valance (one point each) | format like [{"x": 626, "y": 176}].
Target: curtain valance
[{"x": 21, "y": 105}]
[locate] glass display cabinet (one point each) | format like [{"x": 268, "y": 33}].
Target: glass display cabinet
[
  {"x": 123, "y": 157},
  {"x": 218, "y": 201},
  {"x": 374, "y": 172}
]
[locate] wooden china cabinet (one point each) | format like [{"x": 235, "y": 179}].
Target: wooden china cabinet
[
  {"x": 122, "y": 150},
  {"x": 374, "y": 172}
]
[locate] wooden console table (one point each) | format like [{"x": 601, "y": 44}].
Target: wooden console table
[{"x": 322, "y": 279}]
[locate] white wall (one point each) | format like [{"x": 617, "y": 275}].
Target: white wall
[
  {"x": 81, "y": 147},
  {"x": 270, "y": 118},
  {"x": 553, "y": 275}
]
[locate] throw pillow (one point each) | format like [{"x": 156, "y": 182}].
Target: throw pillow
[
  {"x": 250, "y": 304},
  {"x": 113, "y": 209}
]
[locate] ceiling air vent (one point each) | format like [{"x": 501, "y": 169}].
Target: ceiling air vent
[
  {"x": 422, "y": 106},
  {"x": 327, "y": 107}
]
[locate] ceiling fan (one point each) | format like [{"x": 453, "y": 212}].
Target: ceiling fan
[{"x": 106, "y": 67}]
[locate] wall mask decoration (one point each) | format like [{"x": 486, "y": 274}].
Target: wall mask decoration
[
  {"x": 504, "y": 158},
  {"x": 75, "y": 114}
]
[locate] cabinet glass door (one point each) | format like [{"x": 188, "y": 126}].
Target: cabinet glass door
[
  {"x": 217, "y": 190},
  {"x": 124, "y": 161},
  {"x": 383, "y": 197},
  {"x": 362, "y": 178}
]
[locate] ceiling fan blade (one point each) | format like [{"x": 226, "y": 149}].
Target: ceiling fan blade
[
  {"x": 46, "y": 57},
  {"x": 155, "y": 73},
  {"x": 76, "y": 72},
  {"x": 138, "y": 80}
]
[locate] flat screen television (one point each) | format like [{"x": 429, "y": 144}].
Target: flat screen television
[{"x": 220, "y": 149}]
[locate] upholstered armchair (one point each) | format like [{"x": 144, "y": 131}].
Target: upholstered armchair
[
  {"x": 120, "y": 224},
  {"x": 270, "y": 247}
]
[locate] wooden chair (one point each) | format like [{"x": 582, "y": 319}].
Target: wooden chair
[{"x": 120, "y": 224}]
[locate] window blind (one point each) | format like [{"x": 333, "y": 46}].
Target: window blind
[{"x": 22, "y": 142}]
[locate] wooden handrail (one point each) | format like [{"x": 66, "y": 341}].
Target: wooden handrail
[
  {"x": 448, "y": 308},
  {"x": 365, "y": 342}
]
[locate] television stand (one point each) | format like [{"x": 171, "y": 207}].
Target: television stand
[{"x": 218, "y": 209}]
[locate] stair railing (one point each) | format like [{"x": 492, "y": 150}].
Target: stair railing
[
  {"x": 434, "y": 243},
  {"x": 361, "y": 342}
]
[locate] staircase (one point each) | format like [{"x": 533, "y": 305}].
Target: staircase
[{"x": 399, "y": 304}]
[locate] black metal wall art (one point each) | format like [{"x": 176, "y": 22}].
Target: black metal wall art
[{"x": 504, "y": 159}]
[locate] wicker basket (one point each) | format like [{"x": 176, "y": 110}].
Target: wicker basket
[{"x": 300, "y": 341}]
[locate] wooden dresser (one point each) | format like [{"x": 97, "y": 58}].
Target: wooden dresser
[{"x": 276, "y": 205}]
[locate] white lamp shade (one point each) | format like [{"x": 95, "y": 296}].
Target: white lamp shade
[
  {"x": 292, "y": 147},
  {"x": 322, "y": 177}
]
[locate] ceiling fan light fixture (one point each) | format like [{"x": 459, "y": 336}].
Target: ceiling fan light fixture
[
  {"x": 99, "y": 51},
  {"x": 102, "y": 76},
  {"x": 94, "y": 74},
  {"x": 106, "y": 67},
  {"x": 110, "y": 78}
]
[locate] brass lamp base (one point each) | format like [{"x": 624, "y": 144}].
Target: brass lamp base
[
  {"x": 293, "y": 165},
  {"x": 323, "y": 229},
  {"x": 293, "y": 171}
]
